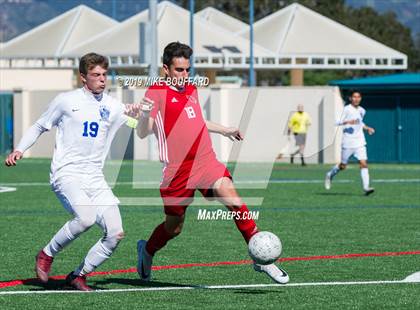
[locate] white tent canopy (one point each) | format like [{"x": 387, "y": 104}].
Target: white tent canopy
[
  {"x": 214, "y": 47},
  {"x": 221, "y": 19},
  {"x": 305, "y": 39},
  {"x": 294, "y": 37},
  {"x": 55, "y": 37}
]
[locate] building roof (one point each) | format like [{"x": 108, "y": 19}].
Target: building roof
[
  {"x": 310, "y": 40},
  {"x": 401, "y": 80},
  {"x": 58, "y": 35},
  {"x": 294, "y": 37},
  {"x": 221, "y": 19},
  {"x": 214, "y": 47}
]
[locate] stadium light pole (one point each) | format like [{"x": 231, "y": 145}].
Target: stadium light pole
[
  {"x": 153, "y": 69},
  {"x": 251, "y": 44},
  {"x": 192, "y": 9},
  {"x": 114, "y": 15},
  {"x": 153, "y": 65}
]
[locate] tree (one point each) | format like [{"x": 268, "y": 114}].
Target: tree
[{"x": 384, "y": 28}]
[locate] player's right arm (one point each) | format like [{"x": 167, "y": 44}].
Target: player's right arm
[
  {"x": 343, "y": 121},
  {"x": 350, "y": 122},
  {"x": 28, "y": 139},
  {"x": 290, "y": 124},
  {"x": 47, "y": 120}
]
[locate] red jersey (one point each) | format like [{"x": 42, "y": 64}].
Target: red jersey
[{"x": 179, "y": 124}]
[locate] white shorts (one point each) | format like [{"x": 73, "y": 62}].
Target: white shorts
[
  {"x": 81, "y": 195},
  {"x": 358, "y": 152}
]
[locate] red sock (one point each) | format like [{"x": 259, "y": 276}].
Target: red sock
[
  {"x": 247, "y": 227},
  {"x": 158, "y": 239}
]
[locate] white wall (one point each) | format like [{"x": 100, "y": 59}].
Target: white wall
[
  {"x": 262, "y": 119},
  {"x": 264, "y": 122},
  {"x": 27, "y": 108},
  {"x": 36, "y": 79}
]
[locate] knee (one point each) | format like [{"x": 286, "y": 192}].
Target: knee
[
  {"x": 363, "y": 165},
  {"x": 342, "y": 167},
  {"x": 234, "y": 204},
  {"x": 174, "y": 231},
  {"x": 112, "y": 240},
  {"x": 119, "y": 236}
]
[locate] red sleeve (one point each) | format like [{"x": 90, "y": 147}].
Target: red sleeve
[{"x": 157, "y": 95}]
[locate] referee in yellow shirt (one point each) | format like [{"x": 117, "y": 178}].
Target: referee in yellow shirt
[{"x": 298, "y": 125}]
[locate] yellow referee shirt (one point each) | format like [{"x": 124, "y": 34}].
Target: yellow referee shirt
[{"x": 299, "y": 122}]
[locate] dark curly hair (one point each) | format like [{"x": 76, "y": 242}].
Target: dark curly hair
[{"x": 176, "y": 49}]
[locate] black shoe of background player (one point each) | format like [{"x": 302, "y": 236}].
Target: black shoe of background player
[{"x": 369, "y": 191}]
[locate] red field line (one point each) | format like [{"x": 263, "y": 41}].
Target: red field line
[{"x": 241, "y": 262}]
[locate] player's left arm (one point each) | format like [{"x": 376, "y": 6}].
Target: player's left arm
[
  {"x": 290, "y": 124},
  {"x": 230, "y": 132},
  {"x": 370, "y": 130}
]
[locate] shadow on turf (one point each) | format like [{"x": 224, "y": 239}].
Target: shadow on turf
[
  {"x": 138, "y": 282},
  {"x": 58, "y": 285},
  {"x": 52, "y": 285},
  {"x": 255, "y": 292},
  {"x": 141, "y": 283}
]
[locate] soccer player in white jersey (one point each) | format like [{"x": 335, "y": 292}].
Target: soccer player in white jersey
[
  {"x": 353, "y": 142},
  {"x": 86, "y": 120}
]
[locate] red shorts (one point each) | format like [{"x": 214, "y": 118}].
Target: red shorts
[{"x": 180, "y": 183}]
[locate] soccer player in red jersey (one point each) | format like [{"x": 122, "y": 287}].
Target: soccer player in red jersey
[{"x": 173, "y": 113}]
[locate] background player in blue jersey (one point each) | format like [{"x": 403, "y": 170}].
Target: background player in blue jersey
[{"x": 353, "y": 142}]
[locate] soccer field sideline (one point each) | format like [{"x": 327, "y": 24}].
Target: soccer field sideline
[
  {"x": 415, "y": 276},
  {"x": 271, "y": 181},
  {"x": 343, "y": 221}
]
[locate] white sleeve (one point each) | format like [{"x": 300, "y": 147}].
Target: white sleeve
[
  {"x": 120, "y": 117},
  {"x": 340, "y": 120},
  {"x": 52, "y": 116},
  {"x": 30, "y": 137}
]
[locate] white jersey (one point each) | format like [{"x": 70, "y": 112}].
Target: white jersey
[
  {"x": 85, "y": 129},
  {"x": 353, "y": 135}
]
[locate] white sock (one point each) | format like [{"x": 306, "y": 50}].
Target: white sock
[
  {"x": 102, "y": 250},
  {"x": 70, "y": 231},
  {"x": 62, "y": 238},
  {"x": 95, "y": 257},
  {"x": 334, "y": 170},
  {"x": 364, "y": 173}
]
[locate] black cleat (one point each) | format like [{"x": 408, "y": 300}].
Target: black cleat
[{"x": 369, "y": 191}]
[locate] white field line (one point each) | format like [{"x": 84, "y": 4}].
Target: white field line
[
  {"x": 413, "y": 278},
  {"x": 198, "y": 201},
  {"x": 7, "y": 189},
  {"x": 275, "y": 181}
]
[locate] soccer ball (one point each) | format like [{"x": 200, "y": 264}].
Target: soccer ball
[{"x": 264, "y": 248}]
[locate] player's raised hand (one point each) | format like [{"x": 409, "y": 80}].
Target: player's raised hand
[
  {"x": 132, "y": 110},
  {"x": 146, "y": 105},
  {"x": 13, "y": 158},
  {"x": 370, "y": 131},
  {"x": 233, "y": 133}
]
